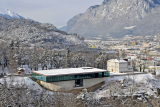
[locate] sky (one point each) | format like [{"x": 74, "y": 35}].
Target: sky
[{"x": 56, "y": 12}]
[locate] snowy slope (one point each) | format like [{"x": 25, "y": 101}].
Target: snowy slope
[
  {"x": 143, "y": 83},
  {"x": 21, "y": 81},
  {"x": 9, "y": 14}
]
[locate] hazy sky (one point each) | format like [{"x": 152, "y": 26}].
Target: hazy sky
[{"x": 57, "y": 12}]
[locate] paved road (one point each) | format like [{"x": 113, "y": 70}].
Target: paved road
[{"x": 128, "y": 74}]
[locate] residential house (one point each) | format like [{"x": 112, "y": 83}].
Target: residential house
[{"x": 119, "y": 65}]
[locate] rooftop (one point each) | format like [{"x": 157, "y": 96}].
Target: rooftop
[
  {"x": 69, "y": 71},
  {"x": 118, "y": 60}
]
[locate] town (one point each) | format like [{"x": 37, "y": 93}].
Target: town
[
  {"x": 124, "y": 62},
  {"x": 76, "y": 53}
]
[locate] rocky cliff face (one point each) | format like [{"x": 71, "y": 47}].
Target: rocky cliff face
[{"x": 118, "y": 18}]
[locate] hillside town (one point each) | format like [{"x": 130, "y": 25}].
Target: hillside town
[
  {"x": 142, "y": 51},
  {"x": 87, "y": 72},
  {"x": 73, "y": 54}
]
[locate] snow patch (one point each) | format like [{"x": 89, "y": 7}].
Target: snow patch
[
  {"x": 131, "y": 27},
  {"x": 8, "y": 13}
]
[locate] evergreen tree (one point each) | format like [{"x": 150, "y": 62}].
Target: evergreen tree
[
  {"x": 44, "y": 60},
  {"x": 21, "y": 57},
  {"x": 78, "y": 60},
  {"x": 34, "y": 59}
]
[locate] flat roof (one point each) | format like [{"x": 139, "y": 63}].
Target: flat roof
[{"x": 69, "y": 71}]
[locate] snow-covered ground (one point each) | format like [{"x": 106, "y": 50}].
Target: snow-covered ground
[
  {"x": 27, "y": 69},
  {"x": 134, "y": 84},
  {"x": 21, "y": 82},
  {"x": 112, "y": 73},
  {"x": 5, "y": 71}
]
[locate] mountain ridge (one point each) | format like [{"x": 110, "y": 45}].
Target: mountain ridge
[
  {"x": 40, "y": 34},
  {"x": 11, "y": 15},
  {"x": 62, "y": 28},
  {"x": 112, "y": 16}
]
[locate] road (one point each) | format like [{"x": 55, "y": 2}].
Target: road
[{"x": 137, "y": 73}]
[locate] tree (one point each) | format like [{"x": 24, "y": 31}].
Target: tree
[
  {"x": 134, "y": 65},
  {"x": 51, "y": 55},
  {"x": 34, "y": 59},
  {"x": 78, "y": 60},
  {"x": 21, "y": 57},
  {"x": 3, "y": 55},
  {"x": 101, "y": 61},
  {"x": 58, "y": 60},
  {"x": 13, "y": 58},
  {"x": 68, "y": 58},
  {"x": 44, "y": 60}
]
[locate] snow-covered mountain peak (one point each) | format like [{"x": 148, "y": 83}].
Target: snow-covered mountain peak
[{"x": 9, "y": 14}]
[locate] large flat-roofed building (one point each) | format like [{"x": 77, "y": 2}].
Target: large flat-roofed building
[{"x": 70, "y": 78}]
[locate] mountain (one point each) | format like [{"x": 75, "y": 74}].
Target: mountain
[
  {"x": 62, "y": 28},
  {"x": 118, "y": 18},
  {"x": 44, "y": 35},
  {"x": 11, "y": 15}
]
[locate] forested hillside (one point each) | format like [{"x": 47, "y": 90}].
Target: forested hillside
[{"x": 31, "y": 32}]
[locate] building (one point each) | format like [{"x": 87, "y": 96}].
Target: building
[
  {"x": 20, "y": 70},
  {"x": 119, "y": 65},
  {"x": 134, "y": 43},
  {"x": 70, "y": 78}
]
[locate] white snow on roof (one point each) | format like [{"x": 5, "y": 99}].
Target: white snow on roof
[
  {"x": 115, "y": 60},
  {"x": 122, "y": 60},
  {"x": 119, "y": 61},
  {"x": 20, "y": 68},
  {"x": 67, "y": 71}
]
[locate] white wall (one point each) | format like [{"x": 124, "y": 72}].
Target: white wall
[
  {"x": 59, "y": 86},
  {"x": 123, "y": 67},
  {"x": 119, "y": 67},
  {"x": 91, "y": 82},
  {"x": 65, "y": 85}
]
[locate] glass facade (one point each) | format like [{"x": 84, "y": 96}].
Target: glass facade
[
  {"x": 40, "y": 77},
  {"x": 70, "y": 77}
]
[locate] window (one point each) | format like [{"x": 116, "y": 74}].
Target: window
[
  {"x": 129, "y": 63},
  {"x": 96, "y": 75},
  {"x": 70, "y": 77},
  {"x": 102, "y": 74},
  {"x": 79, "y": 83}
]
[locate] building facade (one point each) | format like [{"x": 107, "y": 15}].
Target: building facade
[
  {"x": 71, "y": 78},
  {"x": 119, "y": 66}
]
